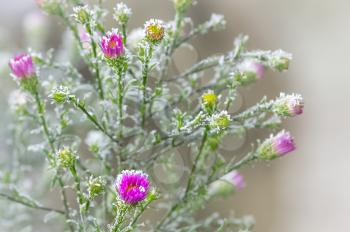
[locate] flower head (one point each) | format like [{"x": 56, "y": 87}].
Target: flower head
[
  {"x": 227, "y": 184},
  {"x": 250, "y": 71},
  {"x": 112, "y": 44},
  {"x": 82, "y": 14},
  {"x": 154, "y": 30},
  {"x": 132, "y": 186},
  {"x": 66, "y": 157},
  {"x": 276, "y": 146},
  {"x": 289, "y": 105},
  {"x": 220, "y": 121},
  {"x": 122, "y": 13},
  {"x": 209, "y": 100},
  {"x": 96, "y": 186},
  {"x": 22, "y": 66},
  {"x": 280, "y": 60}
]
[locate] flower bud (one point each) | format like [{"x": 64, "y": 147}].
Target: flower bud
[
  {"x": 250, "y": 71},
  {"x": 280, "y": 60},
  {"x": 288, "y": 105},
  {"x": 112, "y": 45},
  {"x": 82, "y": 14},
  {"x": 96, "y": 186},
  {"x": 60, "y": 95},
  {"x": 122, "y": 13},
  {"x": 276, "y": 146},
  {"x": 154, "y": 30},
  {"x": 22, "y": 66},
  {"x": 227, "y": 184},
  {"x": 209, "y": 101},
  {"x": 220, "y": 121},
  {"x": 66, "y": 158}
]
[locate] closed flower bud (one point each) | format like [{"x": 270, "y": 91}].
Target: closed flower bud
[
  {"x": 280, "y": 60},
  {"x": 82, "y": 14},
  {"x": 112, "y": 45},
  {"x": 276, "y": 146},
  {"x": 96, "y": 186},
  {"x": 122, "y": 13},
  {"x": 227, "y": 184},
  {"x": 220, "y": 121},
  {"x": 250, "y": 71},
  {"x": 154, "y": 30},
  {"x": 209, "y": 101},
  {"x": 66, "y": 158},
  {"x": 288, "y": 105},
  {"x": 60, "y": 95}
]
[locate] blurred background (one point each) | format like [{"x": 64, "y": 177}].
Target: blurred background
[{"x": 306, "y": 191}]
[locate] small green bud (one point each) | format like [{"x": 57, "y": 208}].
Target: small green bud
[
  {"x": 122, "y": 13},
  {"x": 60, "y": 95},
  {"x": 82, "y": 14},
  {"x": 96, "y": 186},
  {"x": 280, "y": 60},
  {"x": 220, "y": 121}
]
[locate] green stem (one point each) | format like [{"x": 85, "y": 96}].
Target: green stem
[
  {"x": 145, "y": 70},
  {"x": 10, "y": 198},
  {"x": 120, "y": 100},
  {"x": 124, "y": 34}
]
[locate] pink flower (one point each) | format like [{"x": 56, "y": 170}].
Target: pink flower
[
  {"x": 289, "y": 105},
  {"x": 276, "y": 146},
  {"x": 22, "y": 66},
  {"x": 132, "y": 186},
  {"x": 283, "y": 143},
  {"x": 252, "y": 67},
  {"x": 234, "y": 178},
  {"x": 112, "y": 45}
]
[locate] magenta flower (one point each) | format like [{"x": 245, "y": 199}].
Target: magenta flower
[
  {"x": 112, "y": 45},
  {"x": 276, "y": 146},
  {"x": 289, "y": 105},
  {"x": 132, "y": 186},
  {"x": 22, "y": 66},
  {"x": 236, "y": 179}
]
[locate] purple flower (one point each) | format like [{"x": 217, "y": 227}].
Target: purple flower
[
  {"x": 234, "y": 178},
  {"x": 227, "y": 184},
  {"x": 276, "y": 146},
  {"x": 112, "y": 45},
  {"x": 250, "y": 71},
  {"x": 132, "y": 186},
  {"x": 22, "y": 66}
]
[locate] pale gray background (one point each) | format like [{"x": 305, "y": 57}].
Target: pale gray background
[{"x": 310, "y": 189}]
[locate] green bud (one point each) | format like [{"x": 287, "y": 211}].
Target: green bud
[
  {"x": 82, "y": 14},
  {"x": 66, "y": 158},
  {"x": 96, "y": 186}
]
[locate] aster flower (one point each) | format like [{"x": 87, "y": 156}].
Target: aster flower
[
  {"x": 122, "y": 13},
  {"x": 112, "y": 44},
  {"x": 22, "y": 66},
  {"x": 250, "y": 71},
  {"x": 154, "y": 30},
  {"x": 209, "y": 101},
  {"x": 288, "y": 105},
  {"x": 220, "y": 121},
  {"x": 276, "y": 146},
  {"x": 132, "y": 186},
  {"x": 227, "y": 184}
]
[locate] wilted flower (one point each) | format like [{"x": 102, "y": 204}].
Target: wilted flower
[
  {"x": 288, "y": 105},
  {"x": 82, "y": 14},
  {"x": 280, "y": 60},
  {"x": 122, "y": 13},
  {"x": 132, "y": 186},
  {"x": 250, "y": 71},
  {"x": 22, "y": 66},
  {"x": 66, "y": 158},
  {"x": 154, "y": 30},
  {"x": 276, "y": 146},
  {"x": 112, "y": 44},
  {"x": 220, "y": 121},
  {"x": 227, "y": 184},
  {"x": 96, "y": 186},
  {"x": 209, "y": 101}
]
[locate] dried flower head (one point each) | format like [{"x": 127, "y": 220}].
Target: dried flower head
[
  {"x": 154, "y": 30},
  {"x": 132, "y": 186},
  {"x": 276, "y": 146}
]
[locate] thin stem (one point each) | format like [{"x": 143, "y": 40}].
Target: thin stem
[
  {"x": 124, "y": 34},
  {"x": 120, "y": 100},
  {"x": 139, "y": 214},
  {"x": 13, "y": 199},
  {"x": 145, "y": 70}
]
